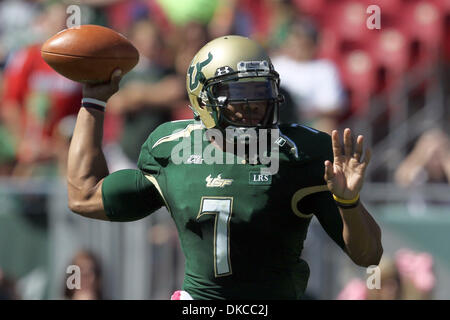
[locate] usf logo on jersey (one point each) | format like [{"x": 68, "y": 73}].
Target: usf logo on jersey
[
  {"x": 217, "y": 182},
  {"x": 256, "y": 178}
]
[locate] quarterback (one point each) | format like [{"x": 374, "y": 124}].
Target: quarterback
[{"x": 241, "y": 228}]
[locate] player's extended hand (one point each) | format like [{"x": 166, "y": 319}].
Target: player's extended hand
[
  {"x": 345, "y": 176},
  {"x": 103, "y": 91}
]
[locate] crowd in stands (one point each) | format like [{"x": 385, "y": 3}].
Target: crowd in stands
[
  {"x": 409, "y": 275},
  {"x": 90, "y": 278},
  {"x": 330, "y": 63}
]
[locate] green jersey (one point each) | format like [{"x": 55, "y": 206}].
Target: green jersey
[{"x": 241, "y": 229}]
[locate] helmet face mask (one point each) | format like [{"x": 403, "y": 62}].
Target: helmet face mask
[
  {"x": 231, "y": 83},
  {"x": 253, "y": 102}
]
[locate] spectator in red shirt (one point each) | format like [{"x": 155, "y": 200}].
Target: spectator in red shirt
[{"x": 36, "y": 98}]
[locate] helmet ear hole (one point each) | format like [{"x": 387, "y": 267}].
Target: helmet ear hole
[{"x": 200, "y": 103}]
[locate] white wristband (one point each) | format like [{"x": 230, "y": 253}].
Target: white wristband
[{"x": 94, "y": 101}]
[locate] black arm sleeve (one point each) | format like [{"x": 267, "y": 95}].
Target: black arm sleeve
[
  {"x": 128, "y": 196},
  {"x": 326, "y": 211}
]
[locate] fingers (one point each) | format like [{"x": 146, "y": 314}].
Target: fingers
[
  {"x": 348, "y": 147},
  {"x": 358, "y": 148},
  {"x": 116, "y": 77},
  {"x": 103, "y": 91},
  {"x": 329, "y": 173},
  {"x": 350, "y": 150},
  {"x": 335, "y": 143}
]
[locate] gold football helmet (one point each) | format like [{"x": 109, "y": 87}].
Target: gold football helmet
[{"x": 233, "y": 70}]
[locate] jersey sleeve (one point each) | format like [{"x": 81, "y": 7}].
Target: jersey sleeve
[
  {"x": 328, "y": 215},
  {"x": 322, "y": 204},
  {"x": 148, "y": 162},
  {"x": 128, "y": 195},
  {"x": 326, "y": 210},
  {"x": 154, "y": 156}
]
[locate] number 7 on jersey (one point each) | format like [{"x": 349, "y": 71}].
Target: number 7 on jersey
[{"x": 222, "y": 208}]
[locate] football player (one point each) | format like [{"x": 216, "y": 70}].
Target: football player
[{"x": 241, "y": 228}]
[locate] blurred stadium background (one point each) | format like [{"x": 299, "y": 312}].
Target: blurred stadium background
[{"x": 390, "y": 84}]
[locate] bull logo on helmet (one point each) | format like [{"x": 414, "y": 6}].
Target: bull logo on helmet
[{"x": 197, "y": 69}]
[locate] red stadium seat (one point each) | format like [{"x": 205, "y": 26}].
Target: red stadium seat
[
  {"x": 443, "y": 5},
  {"x": 390, "y": 52},
  {"x": 359, "y": 76},
  {"x": 446, "y": 40},
  {"x": 423, "y": 23},
  {"x": 313, "y": 8},
  {"x": 329, "y": 45},
  {"x": 348, "y": 20},
  {"x": 388, "y": 8}
]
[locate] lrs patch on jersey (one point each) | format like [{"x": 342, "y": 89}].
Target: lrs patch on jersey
[{"x": 256, "y": 178}]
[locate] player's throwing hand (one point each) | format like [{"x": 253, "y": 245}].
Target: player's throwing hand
[
  {"x": 103, "y": 91},
  {"x": 345, "y": 176}
]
